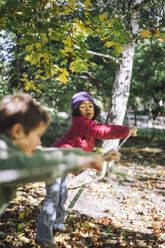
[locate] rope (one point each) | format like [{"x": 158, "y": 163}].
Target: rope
[{"x": 75, "y": 199}]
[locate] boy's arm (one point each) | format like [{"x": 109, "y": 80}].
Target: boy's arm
[{"x": 16, "y": 167}]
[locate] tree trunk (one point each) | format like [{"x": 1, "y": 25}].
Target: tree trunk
[
  {"x": 121, "y": 88},
  {"x": 120, "y": 92}
]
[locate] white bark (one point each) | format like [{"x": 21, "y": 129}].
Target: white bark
[
  {"x": 121, "y": 88},
  {"x": 120, "y": 92}
]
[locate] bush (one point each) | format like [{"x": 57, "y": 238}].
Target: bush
[{"x": 56, "y": 129}]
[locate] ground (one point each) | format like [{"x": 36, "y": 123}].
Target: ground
[{"x": 125, "y": 210}]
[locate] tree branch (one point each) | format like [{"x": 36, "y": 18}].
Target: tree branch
[
  {"x": 116, "y": 61},
  {"x": 139, "y": 6}
]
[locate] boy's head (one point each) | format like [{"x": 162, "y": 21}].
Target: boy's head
[
  {"x": 83, "y": 104},
  {"x": 22, "y": 119}
]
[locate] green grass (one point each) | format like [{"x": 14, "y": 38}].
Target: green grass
[{"x": 154, "y": 133}]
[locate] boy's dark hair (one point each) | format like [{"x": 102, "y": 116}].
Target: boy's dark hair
[
  {"x": 21, "y": 108},
  {"x": 97, "y": 110}
]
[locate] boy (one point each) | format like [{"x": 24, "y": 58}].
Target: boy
[{"x": 22, "y": 123}]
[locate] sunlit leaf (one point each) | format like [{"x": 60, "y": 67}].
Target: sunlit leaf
[
  {"x": 146, "y": 33},
  {"x": 109, "y": 44}
]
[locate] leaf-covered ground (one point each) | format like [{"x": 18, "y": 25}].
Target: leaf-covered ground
[{"x": 127, "y": 210}]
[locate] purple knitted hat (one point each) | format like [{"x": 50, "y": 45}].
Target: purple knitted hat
[{"x": 80, "y": 97}]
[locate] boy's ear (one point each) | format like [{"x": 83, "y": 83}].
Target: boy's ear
[{"x": 17, "y": 131}]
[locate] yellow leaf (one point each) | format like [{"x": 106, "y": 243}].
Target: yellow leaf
[
  {"x": 80, "y": 25},
  {"x": 88, "y": 22},
  {"x": 45, "y": 56},
  {"x": 23, "y": 238},
  {"x": 109, "y": 44},
  {"x": 67, "y": 10},
  {"x": 85, "y": 225},
  {"x": 20, "y": 226},
  {"x": 72, "y": 66},
  {"x": 109, "y": 25},
  {"x": 37, "y": 76},
  {"x": 64, "y": 62},
  {"x": 66, "y": 51},
  {"x": 27, "y": 86},
  {"x": 163, "y": 38},
  {"x": 118, "y": 47},
  {"x": 87, "y": 3},
  {"x": 62, "y": 78},
  {"x": 87, "y": 14},
  {"x": 104, "y": 38},
  {"x": 157, "y": 33},
  {"x": 70, "y": 6},
  {"x": 44, "y": 37},
  {"x": 25, "y": 75},
  {"x": 64, "y": 71},
  {"x": 103, "y": 17},
  {"x": 78, "y": 65},
  {"x": 67, "y": 42},
  {"x": 54, "y": 70},
  {"x": 21, "y": 215},
  {"x": 146, "y": 33},
  {"x": 38, "y": 45},
  {"x": 34, "y": 58},
  {"x": 28, "y": 58},
  {"x": 29, "y": 48},
  {"x": 72, "y": 1}
]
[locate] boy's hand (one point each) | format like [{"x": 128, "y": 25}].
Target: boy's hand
[
  {"x": 133, "y": 131},
  {"x": 111, "y": 155},
  {"x": 92, "y": 162},
  {"x": 96, "y": 162}
]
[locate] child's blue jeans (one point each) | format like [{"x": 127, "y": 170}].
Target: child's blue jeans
[{"x": 53, "y": 210}]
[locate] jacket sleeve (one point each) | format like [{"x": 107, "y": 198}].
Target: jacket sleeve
[
  {"x": 103, "y": 131},
  {"x": 16, "y": 167}
]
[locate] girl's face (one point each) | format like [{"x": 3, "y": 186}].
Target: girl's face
[{"x": 86, "y": 109}]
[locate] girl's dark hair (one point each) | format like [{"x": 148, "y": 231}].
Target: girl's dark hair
[
  {"x": 21, "y": 108},
  {"x": 97, "y": 110}
]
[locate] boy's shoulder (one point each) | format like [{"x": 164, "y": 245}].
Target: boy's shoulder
[
  {"x": 3, "y": 144},
  {"x": 6, "y": 143}
]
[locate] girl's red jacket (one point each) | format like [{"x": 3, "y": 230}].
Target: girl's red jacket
[{"x": 83, "y": 133}]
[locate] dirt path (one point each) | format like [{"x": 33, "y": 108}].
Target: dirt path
[{"x": 133, "y": 205}]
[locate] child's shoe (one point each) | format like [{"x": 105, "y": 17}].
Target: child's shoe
[
  {"x": 60, "y": 228},
  {"x": 43, "y": 244}
]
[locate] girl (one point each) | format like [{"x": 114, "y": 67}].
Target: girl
[{"x": 82, "y": 134}]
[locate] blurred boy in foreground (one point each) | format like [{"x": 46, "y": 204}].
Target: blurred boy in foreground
[{"x": 22, "y": 123}]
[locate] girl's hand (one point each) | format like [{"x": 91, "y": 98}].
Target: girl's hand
[
  {"x": 111, "y": 155},
  {"x": 133, "y": 131}
]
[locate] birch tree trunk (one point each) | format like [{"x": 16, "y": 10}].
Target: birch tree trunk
[
  {"x": 120, "y": 92},
  {"x": 121, "y": 88}
]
